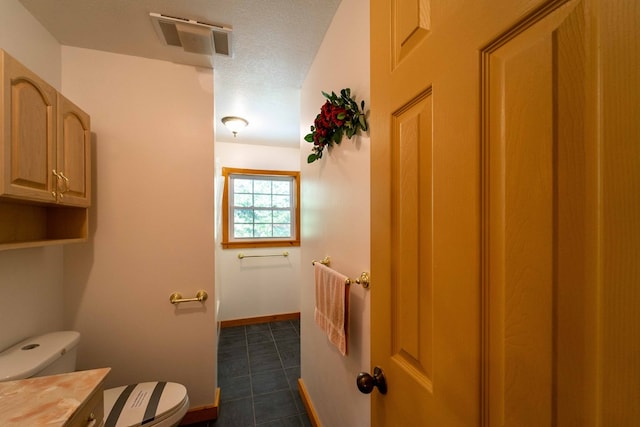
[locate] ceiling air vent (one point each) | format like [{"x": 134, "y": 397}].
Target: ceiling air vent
[{"x": 192, "y": 36}]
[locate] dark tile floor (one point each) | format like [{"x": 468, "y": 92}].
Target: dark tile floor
[{"x": 258, "y": 371}]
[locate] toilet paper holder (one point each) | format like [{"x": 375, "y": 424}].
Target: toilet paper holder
[{"x": 176, "y": 297}]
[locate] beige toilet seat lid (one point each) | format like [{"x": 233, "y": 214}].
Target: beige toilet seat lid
[{"x": 137, "y": 404}]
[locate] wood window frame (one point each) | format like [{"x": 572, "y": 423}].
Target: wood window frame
[{"x": 258, "y": 243}]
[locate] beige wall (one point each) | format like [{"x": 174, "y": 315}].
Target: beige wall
[
  {"x": 30, "y": 279},
  {"x": 256, "y": 286},
  {"x": 151, "y": 222},
  {"x": 335, "y": 222},
  {"x": 22, "y": 36}
]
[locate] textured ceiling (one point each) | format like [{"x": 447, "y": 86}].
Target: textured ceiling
[{"x": 273, "y": 44}]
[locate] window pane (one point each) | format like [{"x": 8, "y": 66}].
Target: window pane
[
  {"x": 242, "y": 185},
  {"x": 242, "y": 216},
  {"x": 263, "y": 217},
  {"x": 281, "y": 230},
  {"x": 261, "y": 187},
  {"x": 282, "y": 217},
  {"x": 264, "y": 207},
  {"x": 262, "y": 201},
  {"x": 242, "y": 231},
  {"x": 263, "y": 230},
  {"x": 281, "y": 187},
  {"x": 245, "y": 200},
  {"x": 281, "y": 201}
]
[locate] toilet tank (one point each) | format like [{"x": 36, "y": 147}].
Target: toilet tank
[{"x": 47, "y": 354}]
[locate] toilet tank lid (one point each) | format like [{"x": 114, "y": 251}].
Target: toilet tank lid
[{"x": 32, "y": 355}]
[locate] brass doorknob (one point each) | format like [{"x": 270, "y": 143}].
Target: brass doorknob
[{"x": 366, "y": 382}]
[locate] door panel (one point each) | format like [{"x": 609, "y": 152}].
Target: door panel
[
  {"x": 485, "y": 198},
  {"x": 32, "y": 116},
  {"x": 410, "y": 22},
  {"x": 425, "y": 220},
  {"x": 412, "y": 297},
  {"x": 522, "y": 75}
]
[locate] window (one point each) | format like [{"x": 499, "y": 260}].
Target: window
[{"x": 260, "y": 208}]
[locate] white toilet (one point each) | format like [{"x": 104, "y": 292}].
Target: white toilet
[{"x": 156, "y": 404}]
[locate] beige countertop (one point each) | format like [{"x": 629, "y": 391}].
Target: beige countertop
[{"x": 47, "y": 401}]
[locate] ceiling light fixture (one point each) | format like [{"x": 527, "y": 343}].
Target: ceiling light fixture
[{"x": 234, "y": 124}]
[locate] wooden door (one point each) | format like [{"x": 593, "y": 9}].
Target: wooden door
[
  {"x": 496, "y": 299},
  {"x": 28, "y": 135},
  {"x": 73, "y": 154}
]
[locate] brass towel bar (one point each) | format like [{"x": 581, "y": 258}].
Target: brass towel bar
[
  {"x": 241, "y": 255},
  {"x": 176, "y": 297},
  {"x": 363, "y": 280},
  {"x": 325, "y": 261}
]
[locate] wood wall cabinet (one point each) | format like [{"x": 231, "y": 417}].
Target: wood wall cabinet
[{"x": 45, "y": 161}]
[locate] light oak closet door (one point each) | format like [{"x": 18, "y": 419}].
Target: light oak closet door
[{"x": 489, "y": 121}]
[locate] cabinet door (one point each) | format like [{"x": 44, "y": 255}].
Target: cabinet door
[
  {"x": 73, "y": 154},
  {"x": 28, "y": 136}
]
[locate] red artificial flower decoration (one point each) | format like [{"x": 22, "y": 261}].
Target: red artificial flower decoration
[{"x": 338, "y": 116}]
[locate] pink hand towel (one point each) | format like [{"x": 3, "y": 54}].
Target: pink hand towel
[{"x": 332, "y": 305}]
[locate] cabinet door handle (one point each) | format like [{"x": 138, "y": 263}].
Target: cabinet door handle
[
  {"x": 66, "y": 183},
  {"x": 60, "y": 177},
  {"x": 92, "y": 420},
  {"x": 53, "y": 193}
]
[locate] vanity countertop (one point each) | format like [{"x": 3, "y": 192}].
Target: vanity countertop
[{"x": 47, "y": 401}]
